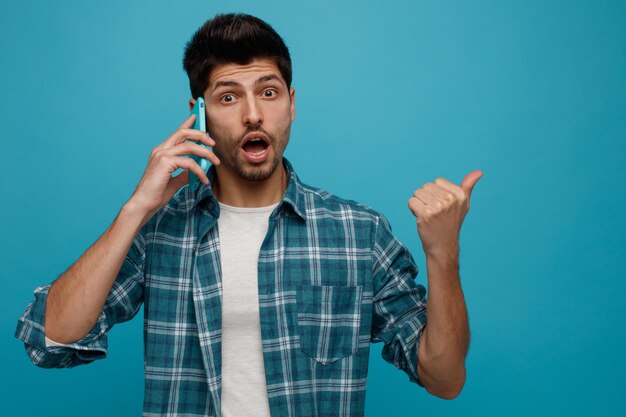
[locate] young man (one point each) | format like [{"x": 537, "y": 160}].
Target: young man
[{"x": 261, "y": 294}]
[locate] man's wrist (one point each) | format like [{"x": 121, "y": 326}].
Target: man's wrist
[
  {"x": 134, "y": 214},
  {"x": 444, "y": 255}
]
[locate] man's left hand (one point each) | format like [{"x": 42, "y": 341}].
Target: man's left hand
[{"x": 440, "y": 208}]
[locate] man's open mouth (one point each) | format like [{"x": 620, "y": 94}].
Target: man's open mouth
[{"x": 255, "y": 146}]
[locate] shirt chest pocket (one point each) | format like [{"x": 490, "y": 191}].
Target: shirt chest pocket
[{"x": 329, "y": 320}]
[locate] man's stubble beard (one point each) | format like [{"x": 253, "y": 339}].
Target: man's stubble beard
[{"x": 231, "y": 155}]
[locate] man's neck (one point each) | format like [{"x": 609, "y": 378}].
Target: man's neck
[{"x": 235, "y": 191}]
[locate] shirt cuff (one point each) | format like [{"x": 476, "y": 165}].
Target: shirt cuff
[
  {"x": 401, "y": 349},
  {"x": 30, "y": 330},
  {"x": 50, "y": 342}
]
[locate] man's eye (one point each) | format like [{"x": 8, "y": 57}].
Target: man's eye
[
  {"x": 269, "y": 93},
  {"x": 227, "y": 98}
]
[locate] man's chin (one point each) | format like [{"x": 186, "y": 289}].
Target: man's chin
[{"x": 257, "y": 172}]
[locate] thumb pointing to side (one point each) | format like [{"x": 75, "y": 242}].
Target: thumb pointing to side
[{"x": 470, "y": 181}]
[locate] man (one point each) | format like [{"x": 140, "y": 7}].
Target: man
[{"x": 261, "y": 294}]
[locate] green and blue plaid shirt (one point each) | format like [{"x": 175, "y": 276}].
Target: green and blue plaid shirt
[{"x": 332, "y": 279}]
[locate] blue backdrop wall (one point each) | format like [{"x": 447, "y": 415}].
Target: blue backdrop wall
[{"x": 390, "y": 95}]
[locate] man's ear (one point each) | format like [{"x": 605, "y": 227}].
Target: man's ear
[
  {"x": 292, "y": 97},
  {"x": 192, "y": 102}
]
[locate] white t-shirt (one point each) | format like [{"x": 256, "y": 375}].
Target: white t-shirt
[{"x": 244, "y": 387}]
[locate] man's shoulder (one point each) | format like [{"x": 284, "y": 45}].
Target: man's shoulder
[{"x": 321, "y": 200}]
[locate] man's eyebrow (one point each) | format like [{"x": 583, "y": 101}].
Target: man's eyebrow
[
  {"x": 267, "y": 78},
  {"x": 229, "y": 83},
  {"x": 225, "y": 84}
]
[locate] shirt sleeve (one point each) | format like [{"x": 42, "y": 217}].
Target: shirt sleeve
[
  {"x": 399, "y": 303},
  {"x": 122, "y": 304}
]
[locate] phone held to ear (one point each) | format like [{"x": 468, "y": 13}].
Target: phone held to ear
[{"x": 199, "y": 124}]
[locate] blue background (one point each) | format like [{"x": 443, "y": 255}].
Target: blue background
[{"x": 390, "y": 95}]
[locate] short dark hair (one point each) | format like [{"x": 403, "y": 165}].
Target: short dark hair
[{"x": 232, "y": 38}]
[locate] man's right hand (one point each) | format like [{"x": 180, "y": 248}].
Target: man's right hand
[
  {"x": 157, "y": 186},
  {"x": 76, "y": 299}
]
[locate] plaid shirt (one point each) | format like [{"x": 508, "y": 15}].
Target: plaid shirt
[{"x": 332, "y": 278}]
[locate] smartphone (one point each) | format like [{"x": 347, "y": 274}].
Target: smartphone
[{"x": 199, "y": 124}]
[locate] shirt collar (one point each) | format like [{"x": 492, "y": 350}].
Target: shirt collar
[{"x": 292, "y": 199}]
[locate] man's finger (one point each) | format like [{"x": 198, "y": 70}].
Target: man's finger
[
  {"x": 470, "y": 181},
  {"x": 417, "y": 207},
  {"x": 438, "y": 191},
  {"x": 453, "y": 188},
  {"x": 188, "y": 122},
  {"x": 426, "y": 197}
]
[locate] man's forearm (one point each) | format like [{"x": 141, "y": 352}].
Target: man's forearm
[
  {"x": 444, "y": 343},
  {"x": 76, "y": 298}
]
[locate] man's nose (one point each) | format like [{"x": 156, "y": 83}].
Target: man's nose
[{"x": 252, "y": 113}]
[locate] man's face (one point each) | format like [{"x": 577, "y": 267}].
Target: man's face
[{"x": 245, "y": 103}]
